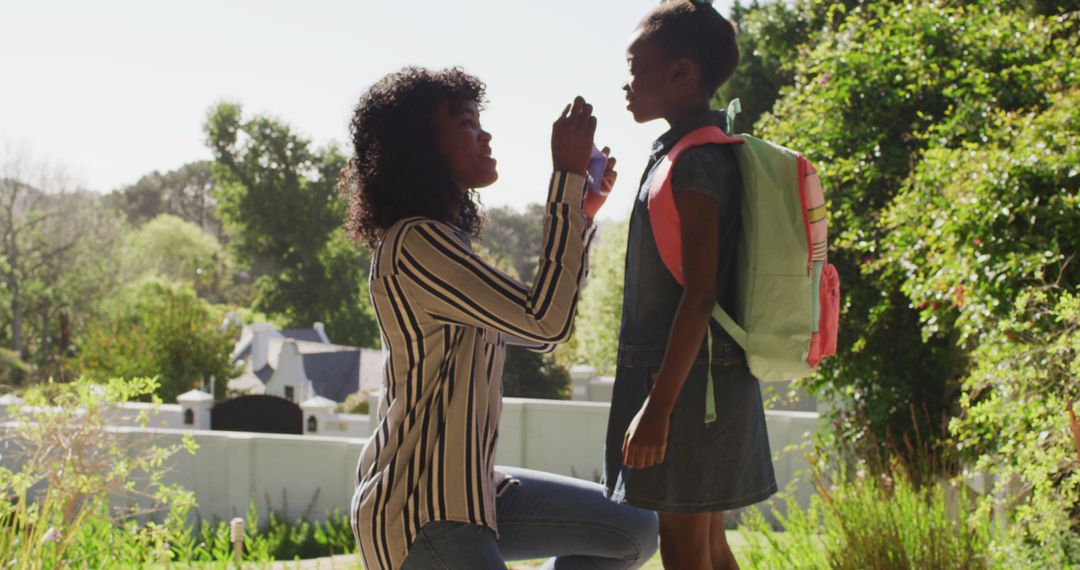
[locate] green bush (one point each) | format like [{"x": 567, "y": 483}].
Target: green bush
[
  {"x": 74, "y": 476},
  {"x": 913, "y": 113},
  {"x": 1015, "y": 422},
  {"x": 160, "y": 330},
  {"x": 529, "y": 374},
  {"x": 864, "y": 521},
  {"x": 277, "y": 539},
  {"x": 85, "y": 496}
]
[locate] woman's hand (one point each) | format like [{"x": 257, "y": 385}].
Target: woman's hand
[
  {"x": 572, "y": 137},
  {"x": 594, "y": 200},
  {"x": 645, "y": 442}
]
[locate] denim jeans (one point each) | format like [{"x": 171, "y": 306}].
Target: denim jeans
[{"x": 545, "y": 516}]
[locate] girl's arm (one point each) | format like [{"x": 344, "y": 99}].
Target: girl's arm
[{"x": 645, "y": 442}]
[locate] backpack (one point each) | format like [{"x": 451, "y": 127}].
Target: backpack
[{"x": 787, "y": 294}]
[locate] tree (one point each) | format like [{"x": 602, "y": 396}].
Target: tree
[
  {"x": 512, "y": 239},
  {"x": 187, "y": 193},
  {"x": 56, "y": 256},
  {"x": 596, "y": 331},
  {"x": 283, "y": 216},
  {"x": 162, "y": 330},
  {"x": 769, "y": 37},
  {"x": 945, "y": 133},
  {"x": 179, "y": 251},
  {"x": 529, "y": 374},
  {"x": 875, "y": 90},
  {"x": 984, "y": 242}
]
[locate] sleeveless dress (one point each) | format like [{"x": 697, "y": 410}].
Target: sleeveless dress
[{"x": 708, "y": 467}]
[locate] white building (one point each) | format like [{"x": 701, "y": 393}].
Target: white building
[{"x": 300, "y": 364}]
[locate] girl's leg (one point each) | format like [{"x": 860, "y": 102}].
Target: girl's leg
[
  {"x": 722, "y": 557},
  {"x": 447, "y": 545},
  {"x": 684, "y": 540},
  {"x": 552, "y": 515}
]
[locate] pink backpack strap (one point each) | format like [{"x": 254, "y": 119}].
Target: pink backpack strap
[{"x": 663, "y": 214}]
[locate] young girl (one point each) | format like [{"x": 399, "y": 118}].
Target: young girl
[
  {"x": 429, "y": 495},
  {"x": 661, "y": 454}
]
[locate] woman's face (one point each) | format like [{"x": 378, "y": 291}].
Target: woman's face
[{"x": 465, "y": 146}]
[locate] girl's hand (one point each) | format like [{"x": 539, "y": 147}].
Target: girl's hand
[
  {"x": 594, "y": 200},
  {"x": 645, "y": 442},
  {"x": 572, "y": 137}
]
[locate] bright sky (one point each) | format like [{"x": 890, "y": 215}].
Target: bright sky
[{"x": 114, "y": 89}]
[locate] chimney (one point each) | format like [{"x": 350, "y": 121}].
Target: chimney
[{"x": 319, "y": 328}]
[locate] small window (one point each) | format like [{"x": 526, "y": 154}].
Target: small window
[
  {"x": 290, "y": 395},
  {"x": 189, "y": 417},
  {"x": 312, "y": 424}
]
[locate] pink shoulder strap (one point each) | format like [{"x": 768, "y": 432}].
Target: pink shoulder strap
[{"x": 663, "y": 214}]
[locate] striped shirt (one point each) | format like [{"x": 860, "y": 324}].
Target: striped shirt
[{"x": 446, "y": 318}]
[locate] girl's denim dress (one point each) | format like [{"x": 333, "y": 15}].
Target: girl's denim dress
[{"x": 708, "y": 467}]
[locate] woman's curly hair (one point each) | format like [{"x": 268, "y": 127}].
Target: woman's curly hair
[{"x": 396, "y": 170}]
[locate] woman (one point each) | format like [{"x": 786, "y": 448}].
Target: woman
[{"x": 428, "y": 493}]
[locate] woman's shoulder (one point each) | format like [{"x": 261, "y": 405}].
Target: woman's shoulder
[
  {"x": 415, "y": 228},
  {"x": 403, "y": 226},
  {"x": 419, "y": 224}
]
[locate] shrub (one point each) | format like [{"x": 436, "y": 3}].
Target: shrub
[
  {"x": 75, "y": 474},
  {"x": 864, "y": 521}
]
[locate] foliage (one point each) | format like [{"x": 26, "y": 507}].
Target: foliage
[
  {"x": 981, "y": 238},
  {"x": 187, "y": 193},
  {"x": 861, "y": 521},
  {"x": 511, "y": 239},
  {"x": 769, "y": 37},
  {"x": 355, "y": 403},
  {"x": 976, "y": 224},
  {"x": 879, "y": 90},
  {"x": 279, "y": 203},
  {"x": 529, "y": 374},
  {"x": 1015, "y": 422},
  {"x": 57, "y": 257},
  {"x": 178, "y": 251},
  {"x": 161, "y": 330},
  {"x": 596, "y": 330},
  {"x": 277, "y": 539},
  {"x": 73, "y": 474}
]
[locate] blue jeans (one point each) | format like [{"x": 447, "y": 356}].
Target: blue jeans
[{"x": 545, "y": 516}]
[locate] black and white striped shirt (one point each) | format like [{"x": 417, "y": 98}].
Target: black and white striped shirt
[{"x": 446, "y": 317}]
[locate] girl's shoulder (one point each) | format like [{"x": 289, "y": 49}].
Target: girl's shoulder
[
  {"x": 712, "y": 169},
  {"x": 707, "y": 160}
]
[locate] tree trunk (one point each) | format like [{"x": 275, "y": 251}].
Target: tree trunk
[{"x": 16, "y": 323}]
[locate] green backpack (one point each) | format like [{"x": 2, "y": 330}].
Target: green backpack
[{"x": 787, "y": 294}]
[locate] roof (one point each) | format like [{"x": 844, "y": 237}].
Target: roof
[
  {"x": 309, "y": 335},
  {"x": 334, "y": 371},
  {"x": 334, "y": 375},
  {"x": 242, "y": 349}
]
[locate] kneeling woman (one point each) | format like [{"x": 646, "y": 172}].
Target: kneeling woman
[{"x": 429, "y": 494}]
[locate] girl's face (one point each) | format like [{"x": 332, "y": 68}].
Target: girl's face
[
  {"x": 465, "y": 146},
  {"x": 646, "y": 88}
]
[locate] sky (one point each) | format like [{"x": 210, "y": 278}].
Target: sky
[{"x": 115, "y": 89}]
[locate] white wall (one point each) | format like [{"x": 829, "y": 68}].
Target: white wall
[{"x": 295, "y": 471}]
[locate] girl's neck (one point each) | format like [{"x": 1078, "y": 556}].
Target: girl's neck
[{"x": 687, "y": 109}]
